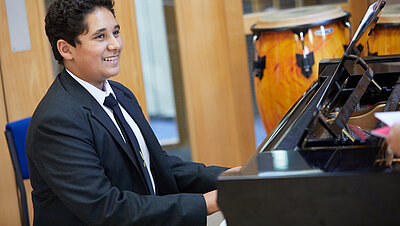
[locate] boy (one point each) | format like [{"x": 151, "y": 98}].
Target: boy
[{"x": 92, "y": 156}]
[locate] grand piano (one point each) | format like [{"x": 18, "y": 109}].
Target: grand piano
[{"x": 322, "y": 165}]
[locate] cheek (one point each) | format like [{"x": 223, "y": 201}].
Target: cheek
[
  {"x": 95, "y": 55},
  {"x": 120, "y": 43}
]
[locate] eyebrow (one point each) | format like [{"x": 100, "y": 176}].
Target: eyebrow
[{"x": 104, "y": 29}]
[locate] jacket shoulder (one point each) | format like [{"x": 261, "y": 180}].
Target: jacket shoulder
[{"x": 118, "y": 86}]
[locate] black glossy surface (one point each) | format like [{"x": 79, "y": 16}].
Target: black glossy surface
[{"x": 301, "y": 179}]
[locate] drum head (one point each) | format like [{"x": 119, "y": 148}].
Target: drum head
[
  {"x": 390, "y": 15},
  {"x": 308, "y": 16}
]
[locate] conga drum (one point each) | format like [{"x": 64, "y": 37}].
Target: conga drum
[
  {"x": 385, "y": 38},
  {"x": 289, "y": 45}
]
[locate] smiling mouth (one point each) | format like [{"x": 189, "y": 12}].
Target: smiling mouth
[{"x": 111, "y": 58}]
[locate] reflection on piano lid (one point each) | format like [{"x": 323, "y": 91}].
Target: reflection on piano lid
[{"x": 321, "y": 165}]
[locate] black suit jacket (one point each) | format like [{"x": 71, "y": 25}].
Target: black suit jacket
[{"x": 83, "y": 173}]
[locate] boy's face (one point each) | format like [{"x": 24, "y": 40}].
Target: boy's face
[{"x": 97, "y": 57}]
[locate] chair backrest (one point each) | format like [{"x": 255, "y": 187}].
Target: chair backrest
[
  {"x": 16, "y": 136},
  {"x": 17, "y": 132}
]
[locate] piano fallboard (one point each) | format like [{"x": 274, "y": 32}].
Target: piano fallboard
[{"x": 311, "y": 197}]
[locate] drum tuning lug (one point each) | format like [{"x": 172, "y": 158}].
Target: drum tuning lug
[
  {"x": 259, "y": 66},
  {"x": 259, "y": 62},
  {"x": 348, "y": 25},
  {"x": 305, "y": 62}
]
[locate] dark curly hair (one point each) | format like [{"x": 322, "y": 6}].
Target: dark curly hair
[{"x": 66, "y": 19}]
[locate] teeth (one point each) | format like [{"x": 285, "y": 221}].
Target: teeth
[{"x": 110, "y": 58}]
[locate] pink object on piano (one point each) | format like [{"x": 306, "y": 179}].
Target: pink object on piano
[{"x": 381, "y": 132}]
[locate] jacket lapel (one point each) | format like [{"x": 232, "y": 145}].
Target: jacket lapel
[
  {"x": 165, "y": 182},
  {"x": 135, "y": 112},
  {"x": 132, "y": 107},
  {"x": 96, "y": 110}
]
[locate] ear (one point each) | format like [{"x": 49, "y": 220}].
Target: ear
[{"x": 65, "y": 49}]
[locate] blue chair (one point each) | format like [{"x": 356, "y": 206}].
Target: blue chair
[{"x": 16, "y": 136}]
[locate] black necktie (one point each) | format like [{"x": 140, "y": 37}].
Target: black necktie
[{"x": 129, "y": 136}]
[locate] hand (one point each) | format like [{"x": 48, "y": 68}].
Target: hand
[
  {"x": 211, "y": 202},
  {"x": 393, "y": 139},
  {"x": 232, "y": 171}
]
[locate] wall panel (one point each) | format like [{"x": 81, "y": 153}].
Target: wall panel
[
  {"x": 9, "y": 213},
  {"x": 216, "y": 83},
  {"x": 130, "y": 66},
  {"x": 26, "y": 76}
]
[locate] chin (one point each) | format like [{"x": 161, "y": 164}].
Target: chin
[{"x": 113, "y": 73}]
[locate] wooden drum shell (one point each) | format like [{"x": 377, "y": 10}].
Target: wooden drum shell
[
  {"x": 385, "y": 37},
  {"x": 283, "y": 83},
  {"x": 384, "y": 41}
]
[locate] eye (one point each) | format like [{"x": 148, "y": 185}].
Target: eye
[
  {"x": 100, "y": 36},
  {"x": 116, "y": 33}
]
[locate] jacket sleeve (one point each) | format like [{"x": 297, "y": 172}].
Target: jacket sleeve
[
  {"x": 60, "y": 148},
  {"x": 194, "y": 177}
]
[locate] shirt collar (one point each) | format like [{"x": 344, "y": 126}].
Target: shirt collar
[{"x": 98, "y": 94}]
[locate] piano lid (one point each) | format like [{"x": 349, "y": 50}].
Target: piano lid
[
  {"x": 360, "y": 38},
  {"x": 357, "y": 44},
  {"x": 349, "y": 60},
  {"x": 322, "y": 97}
]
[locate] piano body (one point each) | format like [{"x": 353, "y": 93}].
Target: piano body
[{"x": 321, "y": 165}]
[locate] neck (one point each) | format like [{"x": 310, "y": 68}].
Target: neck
[{"x": 95, "y": 83}]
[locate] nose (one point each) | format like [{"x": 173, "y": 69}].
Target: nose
[{"x": 113, "y": 43}]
